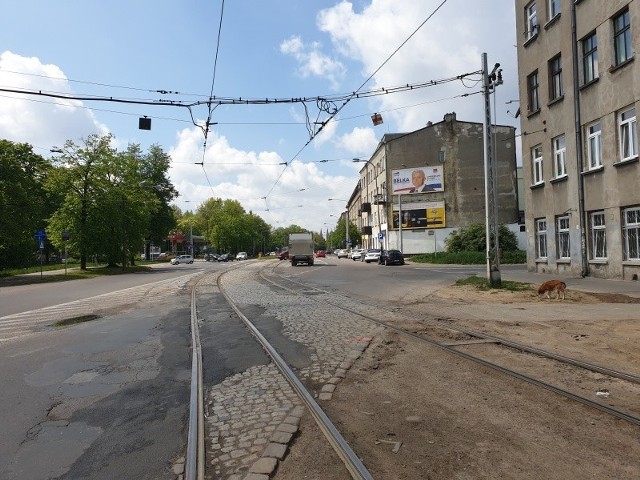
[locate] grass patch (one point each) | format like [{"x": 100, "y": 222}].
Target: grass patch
[
  {"x": 74, "y": 321},
  {"x": 482, "y": 283}
]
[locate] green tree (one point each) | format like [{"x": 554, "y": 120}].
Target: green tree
[
  {"x": 107, "y": 205},
  {"x": 24, "y": 202},
  {"x": 473, "y": 239}
]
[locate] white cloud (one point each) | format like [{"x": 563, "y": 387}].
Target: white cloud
[
  {"x": 41, "y": 121},
  {"x": 312, "y": 62},
  {"x": 449, "y": 44},
  {"x": 359, "y": 141}
]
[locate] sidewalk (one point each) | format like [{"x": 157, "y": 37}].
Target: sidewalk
[{"x": 519, "y": 273}]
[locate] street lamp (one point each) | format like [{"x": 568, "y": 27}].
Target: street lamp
[{"x": 346, "y": 219}]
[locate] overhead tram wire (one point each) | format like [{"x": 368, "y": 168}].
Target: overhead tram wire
[
  {"x": 346, "y": 101},
  {"x": 210, "y": 109}
]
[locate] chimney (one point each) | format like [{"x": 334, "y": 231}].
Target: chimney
[{"x": 450, "y": 117}]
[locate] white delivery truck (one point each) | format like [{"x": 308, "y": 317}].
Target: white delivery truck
[{"x": 301, "y": 248}]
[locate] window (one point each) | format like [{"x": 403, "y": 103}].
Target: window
[
  {"x": 532, "y": 90},
  {"x": 553, "y": 8},
  {"x": 590, "y": 59},
  {"x": 598, "y": 236},
  {"x": 631, "y": 233},
  {"x": 555, "y": 78},
  {"x": 559, "y": 156},
  {"x": 541, "y": 238},
  {"x": 594, "y": 146},
  {"x": 564, "y": 251},
  {"x": 531, "y": 21},
  {"x": 628, "y": 134},
  {"x": 536, "y": 155},
  {"x": 622, "y": 38}
]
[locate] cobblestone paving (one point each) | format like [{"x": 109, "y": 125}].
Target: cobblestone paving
[{"x": 253, "y": 416}]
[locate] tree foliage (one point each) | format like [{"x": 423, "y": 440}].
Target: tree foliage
[
  {"x": 24, "y": 203},
  {"x": 473, "y": 239}
]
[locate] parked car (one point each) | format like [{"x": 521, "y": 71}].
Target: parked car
[
  {"x": 342, "y": 253},
  {"x": 223, "y": 257},
  {"x": 321, "y": 253},
  {"x": 242, "y": 256},
  {"x": 356, "y": 254},
  {"x": 391, "y": 257},
  {"x": 284, "y": 255},
  {"x": 211, "y": 257},
  {"x": 181, "y": 259},
  {"x": 372, "y": 255}
]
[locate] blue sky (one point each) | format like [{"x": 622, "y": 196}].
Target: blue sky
[{"x": 266, "y": 49}]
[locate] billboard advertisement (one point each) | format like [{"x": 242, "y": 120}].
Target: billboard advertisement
[
  {"x": 419, "y": 215},
  {"x": 417, "y": 180}
]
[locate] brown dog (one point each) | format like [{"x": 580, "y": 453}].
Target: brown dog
[{"x": 553, "y": 286}]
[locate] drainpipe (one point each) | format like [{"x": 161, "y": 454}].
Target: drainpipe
[{"x": 579, "y": 156}]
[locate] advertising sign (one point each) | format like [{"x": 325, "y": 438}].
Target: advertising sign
[
  {"x": 420, "y": 215},
  {"x": 417, "y": 180}
]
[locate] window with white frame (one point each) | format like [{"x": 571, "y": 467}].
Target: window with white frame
[
  {"x": 553, "y": 8},
  {"x": 531, "y": 15},
  {"x": 590, "y": 58},
  {"x": 622, "y": 46},
  {"x": 555, "y": 78},
  {"x": 598, "y": 236},
  {"x": 564, "y": 247},
  {"x": 560, "y": 156},
  {"x": 627, "y": 130},
  {"x": 533, "y": 99},
  {"x": 594, "y": 146},
  {"x": 631, "y": 233},
  {"x": 541, "y": 238},
  {"x": 536, "y": 156}
]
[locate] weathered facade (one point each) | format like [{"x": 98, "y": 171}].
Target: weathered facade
[
  {"x": 451, "y": 156},
  {"x": 579, "y": 85}
]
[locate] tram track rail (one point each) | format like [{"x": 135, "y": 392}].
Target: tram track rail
[
  {"x": 627, "y": 377},
  {"x": 349, "y": 458}
]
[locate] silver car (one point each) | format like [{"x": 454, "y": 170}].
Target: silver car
[{"x": 182, "y": 259}]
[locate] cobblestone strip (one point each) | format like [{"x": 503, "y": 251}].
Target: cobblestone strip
[
  {"x": 251, "y": 419},
  {"x": 336, "y": 337}
]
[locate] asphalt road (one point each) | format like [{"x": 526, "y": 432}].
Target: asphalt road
[{"x": 39, "y": 295}]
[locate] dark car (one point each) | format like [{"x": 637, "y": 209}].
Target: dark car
[
  {"x": 391, "y": 257},
  {"x": 223, "y": 258},
  {"x": 284, "y": 255}
]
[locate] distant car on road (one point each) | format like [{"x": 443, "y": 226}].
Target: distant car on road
[
  {"x": 391, "y": 257},
  {"x": 242, "y": 256},
  {"x": 182, "y": 259},
  {"x": 284, "y": 255},
  {"x": 372, "y": 255},
  {"x": 342, "y": 253},
  {"x": 321, "y": 253},
  {"x": 224, "y": 257},
  {"x": 356, "y": 254}
]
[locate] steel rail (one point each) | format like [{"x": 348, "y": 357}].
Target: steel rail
[
  {"x": 194, "y": 461},
  {"x": 609, "y": 410},
  {"x": 351, "y": 461}
]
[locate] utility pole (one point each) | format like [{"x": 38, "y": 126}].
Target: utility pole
[{"x": 489, "y": 82}]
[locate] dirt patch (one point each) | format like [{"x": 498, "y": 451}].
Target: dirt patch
[{"x": 471, "y": 294}]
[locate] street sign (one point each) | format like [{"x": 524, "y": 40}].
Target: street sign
[
  {"x": 40, "y": 236},
  {"x": 381, "y": 236}
]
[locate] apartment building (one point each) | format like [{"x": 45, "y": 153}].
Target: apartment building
[
  {"x": 418, "y": 187},
  {"x": 579, "y": 86}
]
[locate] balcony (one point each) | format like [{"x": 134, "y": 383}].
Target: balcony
[{"x": 365, "y": 208}]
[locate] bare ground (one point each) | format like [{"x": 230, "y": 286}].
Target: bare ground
[{"x": 416, "y": 412}]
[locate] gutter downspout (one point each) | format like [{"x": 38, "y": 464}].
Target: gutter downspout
[{"x": 584, "y": 261}]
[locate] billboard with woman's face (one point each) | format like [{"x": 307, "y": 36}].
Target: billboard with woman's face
[{"x": 417, "y": 180}]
